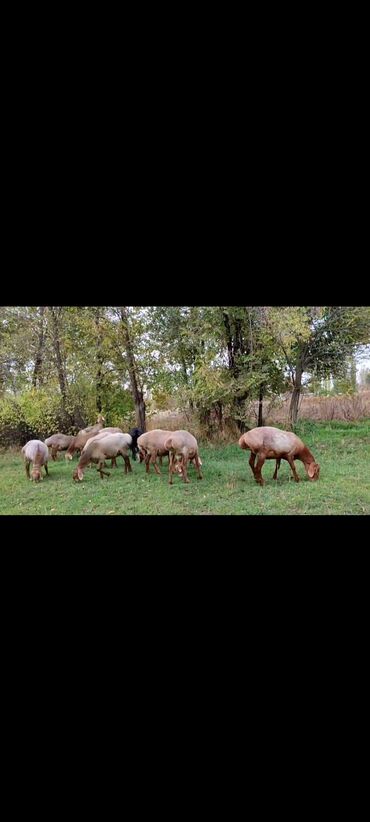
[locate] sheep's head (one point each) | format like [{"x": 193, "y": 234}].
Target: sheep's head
[
  {"x": 36, "y": 475},
  {"x": 313, "y": 470},
  {"x": 78, "y": 475},
  {"x": 68, "y": 456}
]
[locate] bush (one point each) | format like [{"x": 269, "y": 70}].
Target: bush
[
  {"x": 34, "y": 414},
  {"x": 42, "y": 412},
  {"x": 37, "y": 412},
  {"x": 13, "y": 427}
]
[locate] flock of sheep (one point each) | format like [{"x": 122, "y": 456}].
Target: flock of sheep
[{"x": 97, "y": 444}]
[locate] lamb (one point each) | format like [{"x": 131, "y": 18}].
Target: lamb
[
  {"x": 58, "y": 442},
  {"x": 272, "y": 443},
  {"x": 37, "y": 452},
  {"x": 98, "y": 450},
  {"x": 182, "y": 444},
  {"x": 81, "y": 439}
]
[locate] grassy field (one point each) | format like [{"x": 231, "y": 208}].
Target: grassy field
[{"x": 228, "y": 487}]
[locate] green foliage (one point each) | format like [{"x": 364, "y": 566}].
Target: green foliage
[
  {"x": 118, "y": 407},
  {"x": 214, "y": 358},
  {"x": 343, "y": 386},
  {"x": 41, "y": 410},
  {"x": 13, "y": 426}
]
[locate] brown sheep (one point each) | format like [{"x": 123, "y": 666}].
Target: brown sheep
[
  {"x": 98, "y": 450},
  {"x": 151, "y": 446},
  {"x": 184, "y": 447},
  {"x": 268, "y": 443},
  {"x": 58, "y": 442},
  {"x": 80, "y": 440}
]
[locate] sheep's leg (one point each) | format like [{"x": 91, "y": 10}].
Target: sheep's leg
[
  {"x": 113, "y": 462},
  {"x": 197, "y": 465},
  {"x": 100, "y": 469},
  {"x": 160, "y": 461},
  {"x": 184, "y": 468},
  {"x": 154, "y": 461},
  {"x": 27, "y": 466},
  {"x": 257, "y": 473},
  {"x": 171, "y": 463},
  {"x": 128, "y": 468},
  {"x": 46, "y": 469},
  {"x": 252, "y": 461},
  {"x": 147, "y": 461},
  {"x": 294, "y": 472},
  {"x": 54, "y": 452},
  {"x": 278, "y": 461}
]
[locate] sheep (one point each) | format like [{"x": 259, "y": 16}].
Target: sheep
[
  {"x": 151, "y": 445},
  {"x": 36, "y": 452},
  {"x": 58, "y": 442},
  {"x": 182, "y": 444},
  {"x": 272, "y": 443},
  {"x": 98, "y": 450},
  {"x": 103, "y": 433},
  {"x": 135, "y": 433},
  {"x": 81, "y": 439}
]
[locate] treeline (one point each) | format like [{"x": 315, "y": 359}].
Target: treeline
[{"x": 62, "y": 365}]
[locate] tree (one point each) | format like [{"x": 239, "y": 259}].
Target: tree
[
  {"x": 316, "y": 340},
  {"x": 56, "y": 315},
  {"x": 38, "y": 368},
  {"x": 136, "y": 387}
]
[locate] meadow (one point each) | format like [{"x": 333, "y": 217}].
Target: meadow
[{"x": 228, "y": 487}]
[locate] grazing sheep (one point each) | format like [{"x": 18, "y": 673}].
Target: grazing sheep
[
  {"x": 268, "y": 443},
  {"x": 58, "y": 442},
  {"x": 36, "y": 452},
  {"x": 98, "y": 450},
  {"x": 81, "y": 439},
  {"x": 182, "y": 445},
  {"x": 103, "y": 433},
  {"x": 151, "y": 446}
]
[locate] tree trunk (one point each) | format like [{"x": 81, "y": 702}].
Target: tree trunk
[
  {"x": 99, "y": 358},
  {"x": 353, "y": 373},
  {"x": 239, "y": 408},
  {"x": 55, "y": 312},
  {"x": 229, "y": 341},
  {"x": 137, "y": 393},
  {"x": 260, "y": 407},
  {"x": 37, "y": 371},
  {"x": 294, "y": 402}
]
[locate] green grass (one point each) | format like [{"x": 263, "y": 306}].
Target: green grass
[{"x": 228, "y": 487}]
